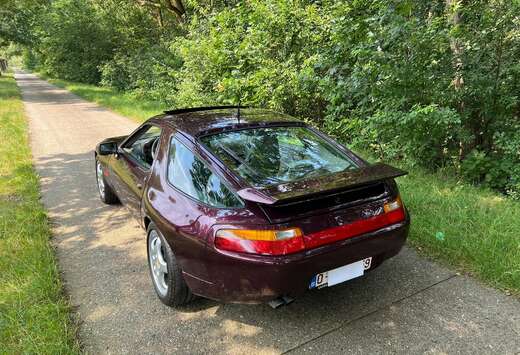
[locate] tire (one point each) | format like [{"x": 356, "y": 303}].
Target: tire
[
  {"x": 106, "y": 193},
  {"x": 170, "y": 286}
]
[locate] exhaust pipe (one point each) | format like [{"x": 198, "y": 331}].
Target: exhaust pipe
[{"x": 280, "y": 301}]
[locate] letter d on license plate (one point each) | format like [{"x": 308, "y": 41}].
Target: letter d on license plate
[{"x": 341, "y": 274}]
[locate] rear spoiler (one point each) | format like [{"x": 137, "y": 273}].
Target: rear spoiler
[{"x": 346, "y": 179}]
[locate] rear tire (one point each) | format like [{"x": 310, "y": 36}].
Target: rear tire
[
  {"x": 165, "y": 271},
  {"x": 106, "y": 194}
]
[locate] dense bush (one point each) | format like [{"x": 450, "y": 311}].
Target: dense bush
[
  {"x": 423, "y": 135},
  {"x": 263, "y": 53},
  {"x": 436, "y": 83},
  {"x": 78, "y": 41},
  {"x": 499, "y": 169}
]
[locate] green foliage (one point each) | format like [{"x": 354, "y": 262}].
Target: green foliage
[
  {"x": 508, "y": 155},
  {"x": 433, "y": 84},
  {"x": 423, "y": 135},
  {"x": 75, "y": 41},
  {"x": 262, "y": 54},
  {"x": 142, "y": 61},
  {"x": 29, "y": 60},
  {"x": 404, "y": 79},
  {"x": 151, "y": 74},
  {"x": 19, "y": 20},
  {"x": 499, "y": 169}
]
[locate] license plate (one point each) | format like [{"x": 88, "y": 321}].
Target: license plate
[{"x": 341, "y": 274}]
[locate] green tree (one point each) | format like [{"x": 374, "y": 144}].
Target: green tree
[{"x": 436, "y": 83}]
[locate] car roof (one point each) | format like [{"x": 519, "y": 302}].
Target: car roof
[{"x": 200, "y": 121}]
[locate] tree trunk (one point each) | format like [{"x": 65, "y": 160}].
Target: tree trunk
[
  {"x": 175, "y": 7},
  {"x": 457, "y": 49},
  {"x": 452, "y": 7}
]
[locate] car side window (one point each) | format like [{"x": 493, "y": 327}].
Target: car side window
[
  {"x": 190, "y": 175},
  {"x": 143, "y": 146}
]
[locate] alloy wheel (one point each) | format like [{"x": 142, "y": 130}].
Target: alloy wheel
[
  {"x": 100, "y": 181},
  {"x": 158, "y": 264}
]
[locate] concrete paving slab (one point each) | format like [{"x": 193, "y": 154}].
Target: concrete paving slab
[{"x": 102, "y": 255}]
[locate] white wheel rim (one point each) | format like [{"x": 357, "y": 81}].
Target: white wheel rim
[
  {"x": 158, "y": 264},
  {"x": 100, "y": 181}
]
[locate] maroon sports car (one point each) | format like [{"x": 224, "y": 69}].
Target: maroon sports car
[{"x": 249, "y": 205}]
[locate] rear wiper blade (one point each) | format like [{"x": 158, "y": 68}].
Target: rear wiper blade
[{"x": 242, "y": 162}]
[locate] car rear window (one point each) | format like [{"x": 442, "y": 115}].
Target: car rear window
[{"x": 267, "y": 156}]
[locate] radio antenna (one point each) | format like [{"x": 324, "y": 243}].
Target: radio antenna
[{"x": 238, "y": 111}]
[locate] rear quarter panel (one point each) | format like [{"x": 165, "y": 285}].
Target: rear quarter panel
[{"x": 184, "y": 222}]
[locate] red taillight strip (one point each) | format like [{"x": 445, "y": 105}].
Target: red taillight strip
[
  {"x": 353, "y": 229},
  {"x": 309, "y": 241},
  {"x": 262, "y": 247}
]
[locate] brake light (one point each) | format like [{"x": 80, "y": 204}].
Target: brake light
[
  {"x": 287, "y": 241},
  {"x": 264, "y": 242},
  {"x": 393, "y": 212}
]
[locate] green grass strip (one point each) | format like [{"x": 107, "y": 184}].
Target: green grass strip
[
  {"x": 34, "y": 314},
  {"x": 473, "y": 229}
]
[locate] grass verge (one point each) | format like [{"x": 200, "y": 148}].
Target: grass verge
[
  {"x": 469, "y": 228},
  {"x": 34, "y": 314},
  {"x": 473, "y": 229}
]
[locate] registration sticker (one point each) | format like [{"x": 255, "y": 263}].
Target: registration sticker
[{"x": 340, "y": 274}]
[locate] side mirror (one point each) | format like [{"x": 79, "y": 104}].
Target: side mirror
[{"x": 108, "y": 148}]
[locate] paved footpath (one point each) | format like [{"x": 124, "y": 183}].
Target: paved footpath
[{"x": 408, "y": 305}]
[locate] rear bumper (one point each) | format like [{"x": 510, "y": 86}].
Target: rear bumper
[{"x": 244, "y": 278}]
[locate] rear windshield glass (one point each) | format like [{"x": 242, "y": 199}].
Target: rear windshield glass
[{"x": 267, "y": 156}]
